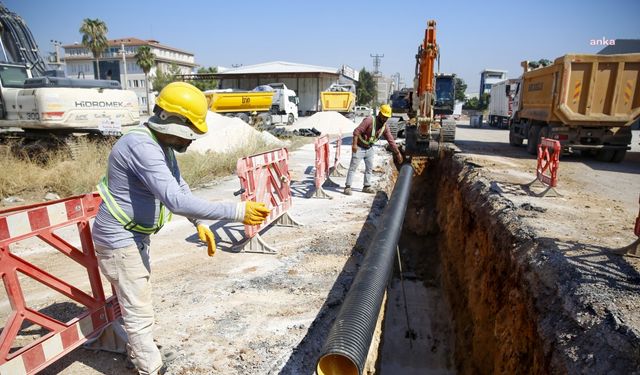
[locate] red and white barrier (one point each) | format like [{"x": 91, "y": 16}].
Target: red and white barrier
[
  {"x": 547, "y": 165},
  {"x": 42, "y": 221},
  {"x": 338, "y": 168},
  {"x": 265, "y": 178},
  {"x": 321, "y": 176}
]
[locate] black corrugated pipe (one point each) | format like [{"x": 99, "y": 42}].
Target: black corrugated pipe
[{"x": 347, "y": 345}]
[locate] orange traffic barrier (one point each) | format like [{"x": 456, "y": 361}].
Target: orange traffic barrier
[
  {"x": 42, "y": 221},
  {"x": 337, "y": 169},
  {"x": 265, "y": 178},
  {"x": 547, "y": 165},
  {"x": 321, "y": 176}
]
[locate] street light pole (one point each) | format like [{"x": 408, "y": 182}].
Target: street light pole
[{"x": 124, "y": 65}]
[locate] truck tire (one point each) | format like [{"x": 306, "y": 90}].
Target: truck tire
[
  {"x": 533, "y": 139},
  {"x": 619, "y": 156},
  {"x": 291, "y": 119},
  {"x": 244, "y": 117},
  {"x": 605, "y": 155},
  {"x": 514, "y": 140}
]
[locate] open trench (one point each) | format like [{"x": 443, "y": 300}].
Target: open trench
[{"x": 474, "y": 295}]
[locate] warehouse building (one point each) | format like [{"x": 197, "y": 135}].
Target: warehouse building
[{"x": 306, "y": 80}]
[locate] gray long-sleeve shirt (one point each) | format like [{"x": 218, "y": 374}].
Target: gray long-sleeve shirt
[{"x": 140, "y": 177}]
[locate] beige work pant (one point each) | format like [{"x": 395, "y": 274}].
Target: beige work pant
[{"x": 128, "y": 270}]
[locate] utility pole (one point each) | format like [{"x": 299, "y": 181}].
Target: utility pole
[
  {"x": 397, "y": 79},
  {"x": 56, "y": 45},
  {"x": 124, "y": 65},
  {"x": 376, "y": 74}
]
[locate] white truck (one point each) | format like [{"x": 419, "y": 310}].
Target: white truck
[
  {"x": 47, "y": 109},
  {"x": 284, "y": 104},
  {"x": 501, "y": 103}
]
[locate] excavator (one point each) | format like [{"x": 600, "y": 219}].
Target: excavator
[
  {"x": 428, "y": 127},
  {"x": 38, "y": 108}
]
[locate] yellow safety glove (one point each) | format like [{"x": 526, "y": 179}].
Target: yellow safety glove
[
  {"x": 207, "y": 236},
  {"x": 255, "y": 213}
]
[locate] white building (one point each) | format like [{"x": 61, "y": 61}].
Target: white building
[
  {"x": 490, "y": 76},
  {"x": 81, "y": 64},
  {"x": 385, "y": 86}
]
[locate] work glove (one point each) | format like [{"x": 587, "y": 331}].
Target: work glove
[
  {"x": 255, "y": 213},
  {"x": 207, "y": 236},
  {"x": 399, "y": 158}
]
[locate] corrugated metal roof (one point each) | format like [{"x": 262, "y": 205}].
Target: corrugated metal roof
[{"x": 279, "y": 67}]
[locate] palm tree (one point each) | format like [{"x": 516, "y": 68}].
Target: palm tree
[
  {"x": 146, "y": 60},
  {"x": 94, "y": 38}
]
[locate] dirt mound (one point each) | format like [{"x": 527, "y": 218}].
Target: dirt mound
[
  {"x": 327, "y": 123},
  {"x": 230, "y": 133}
]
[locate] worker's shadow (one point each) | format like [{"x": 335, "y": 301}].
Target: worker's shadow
[
  {"x": 304, "y": 356},
  {"x": 229, "y": 235}
]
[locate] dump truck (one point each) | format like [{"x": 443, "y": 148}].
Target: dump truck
[
  {"x": 339, "y": 97},
  {"x": 587, "y": 102},
  {"x": 39, "y": 108},
  {"x": 501, "y": 103},
  {"x": 259, "y": 107}
]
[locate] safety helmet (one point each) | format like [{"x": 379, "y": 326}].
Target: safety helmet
[
  {"x": 187, "y": 102},
  {"x": 385, "y": 110}
]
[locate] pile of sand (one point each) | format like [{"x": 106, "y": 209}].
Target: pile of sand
[
  {"x": 327, "y": 123},
  {"x": 227, "y": 134}
]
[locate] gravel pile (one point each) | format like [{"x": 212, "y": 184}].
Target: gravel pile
[
  {"x": 327, "y": 123},
  {"x": 227, "y": 134}
]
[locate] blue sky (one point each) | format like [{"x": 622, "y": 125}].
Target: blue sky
[{"x": 472, "y": 35}]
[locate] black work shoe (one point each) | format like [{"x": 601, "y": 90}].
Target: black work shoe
[
  {"x": 368, "y": 189},
  {"x": 347, "y": 191}
]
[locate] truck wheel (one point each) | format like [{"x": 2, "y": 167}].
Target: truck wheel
[
  {"x": 533, "y": 139},
  {"x": 605, "y": 155},
  {"x": 619, "y": 156},
  {"x": 244, "y": 117},
  {"x": 514, "y": 140},
  {"x": 290, "y": 119}
]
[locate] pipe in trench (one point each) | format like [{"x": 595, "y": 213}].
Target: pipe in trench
[{"x": 345, "y": 350}]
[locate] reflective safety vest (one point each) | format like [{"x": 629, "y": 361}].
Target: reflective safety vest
[
  {"x": 374, "y": 137},
  {"x": 118, "y": 213}
]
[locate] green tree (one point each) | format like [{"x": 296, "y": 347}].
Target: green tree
[
  {"x": 146, "y": 60},
  {"x": 366, "y": 88},
  {"x": 460, "y": 89},
  {"x": 208, "y": 84},
  {"x": 163, "y": 78},
  {"x": 94, "y": 38}
]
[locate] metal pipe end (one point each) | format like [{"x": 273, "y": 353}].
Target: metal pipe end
[{"x": 336, "y": 364}]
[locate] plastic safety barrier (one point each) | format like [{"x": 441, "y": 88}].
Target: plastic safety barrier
[
  {"x": 338, "y": 169},
  {"x": 42, "y": 221},
  {"x": 547, "y": 165},
  {"x": 321, "y": 176},
  {"x": 265, "y": 178}
]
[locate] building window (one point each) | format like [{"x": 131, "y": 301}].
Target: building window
[
  {"x": 129, "y": 83},
  {"x": 135, "y": 83}
]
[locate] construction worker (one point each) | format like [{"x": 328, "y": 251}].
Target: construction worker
[
  {"x": 141, "y": 189},
  {"x": 364, "y": 137}
]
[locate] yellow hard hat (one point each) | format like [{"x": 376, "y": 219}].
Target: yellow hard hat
[
  {"x": 385, "y": 110},
  {"x": 186, "y": 100}
]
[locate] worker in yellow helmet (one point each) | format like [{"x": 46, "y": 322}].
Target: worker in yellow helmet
[
  {"x": 364, "y": 137},
  {"x": 141, "y": 189}
]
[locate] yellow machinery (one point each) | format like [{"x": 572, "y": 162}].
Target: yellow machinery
[{"x": 254, "y": 101}]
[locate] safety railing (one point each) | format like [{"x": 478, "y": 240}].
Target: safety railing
[
  {"x": 547, "y": 166},
  {"x": 42, "y": 221},
  {"x": 265, "y": 178},
  {"x": 321, "y": 175}
]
